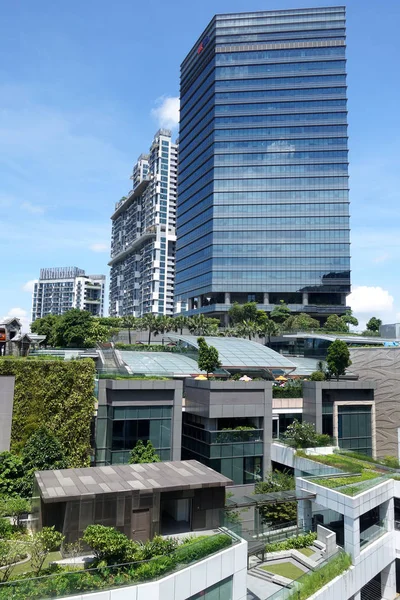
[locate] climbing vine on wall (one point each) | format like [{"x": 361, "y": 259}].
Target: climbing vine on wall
[{"x": 55, "y": 394}]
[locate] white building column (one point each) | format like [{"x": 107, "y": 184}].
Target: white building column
[
  {"x": 199, "y": 302},
  {"x": 266, "y": 298},
  {"x": 227, "y": 297},
  {"x": 388, "y": 582},
  {"x": 352, "y": 537},
  {"x": 305, "y": 298},
  {"x": 304, "y": 514}
]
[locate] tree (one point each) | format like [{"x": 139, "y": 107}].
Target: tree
[
  {"x": 15, "y": 507},
  {"x": 73, "y": 328},
  {"x": 349, "y": 318},
  {"x": 107, "y": 544},
  {"x": 268, "y": 329},
  {"x": 338, "y": 358},
  {"x": 143, "y": 453},
  {"x": 164, "y": 324},
  {"x": 201, "y": 325},
  {"x": 97, "y": 333},
  {"x": 280, "y": 312},
  {"x": 208, "y": 359},
  {"x": 11, "y": 474},
  {"x": 334, "y": 323},
  {"x": 277, "y": 481},
  {"x": 43, "y": 451},
  {"x": 300, "y": 322},
  {"x": 46, "y": 326},
  {"x": 129, "y": 322},
  {"x": 179, "y": 323},
  {"x": 45, "y": 541},
  {"x": 374, "y": 324},
  {"x": 247, "y": 329},
  {"x": 302, "y": 434},
  {"x": 150, "y": 322}
]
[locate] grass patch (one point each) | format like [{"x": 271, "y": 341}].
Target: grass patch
[
  {"x": 285, "y": 569},
  {"x": 26, "y": 566},
  {"x": 307, "y": 551}
]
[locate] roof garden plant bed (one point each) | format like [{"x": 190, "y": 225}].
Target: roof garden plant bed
[
  {"x": 156, "y": 560},
  {"x": 313, "y": 581},
  {"x": 344, "y": 481},
  {"x": 284, "y": 569}
]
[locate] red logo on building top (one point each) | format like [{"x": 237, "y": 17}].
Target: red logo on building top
[{"x": 203, "y": 44}]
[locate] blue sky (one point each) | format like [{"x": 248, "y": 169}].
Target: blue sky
[{"x": 85, "y": 85}]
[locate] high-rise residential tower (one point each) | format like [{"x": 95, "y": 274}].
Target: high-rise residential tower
[
  {"x": 263, "y": 201},
  {"x": 143, "y": 235},
  {"x": 61, "y": 288}
]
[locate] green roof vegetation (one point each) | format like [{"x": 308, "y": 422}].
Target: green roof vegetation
[
  {"x": 313, "y": 581},
  {"x": 285, "y": 569}
]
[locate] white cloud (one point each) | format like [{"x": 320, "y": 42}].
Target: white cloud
[
  {"x": 29, "y": 285},
  {"x": 22, "y": 315},
  {"x": 34, "y": 209},
  {"x": 167, "y": 111},
  {"x": 99, "y": 247},
  {"x": 369, "y": 301}
]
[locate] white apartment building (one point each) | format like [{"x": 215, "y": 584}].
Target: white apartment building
[
  {"x": 143, "y": 235},
  {"x": 61, "y": 288}
]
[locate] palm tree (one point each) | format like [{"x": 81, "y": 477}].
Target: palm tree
[
  {"x": 247, "y": 329},
  {"x": 149, "y": 321},
  {"x": 129, "y": 322},
  {"x": 179, "y": 322},
  {"x": 201, "y": 325},
  {"x": 269, "y": 328},
  {"x": 163, "y": 324}
]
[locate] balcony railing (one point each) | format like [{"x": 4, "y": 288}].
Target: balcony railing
[{"x": 372, "y": 533}]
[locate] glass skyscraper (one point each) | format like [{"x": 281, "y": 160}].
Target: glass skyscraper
[{"x": 263, "y": 200}]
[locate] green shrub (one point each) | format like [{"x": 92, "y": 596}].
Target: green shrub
[
  {"x": 6, "y": 529},
  {"x": 158, "y": 546},
  {"x": 109, "y": 545},
  {"x": 300, "y": 541},
  {"x": 288, "y": 391},
  {"x": 317, "y": 376}
]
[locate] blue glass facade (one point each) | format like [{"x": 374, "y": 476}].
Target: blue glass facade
[{"x": 263, "y": 205}]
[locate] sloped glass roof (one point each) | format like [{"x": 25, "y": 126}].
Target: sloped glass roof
[
  {"x": 167, "y": 364},
  {"x": 239, "y": 352}
]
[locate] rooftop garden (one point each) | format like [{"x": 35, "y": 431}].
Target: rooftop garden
[{"x": 118, "y": 562}]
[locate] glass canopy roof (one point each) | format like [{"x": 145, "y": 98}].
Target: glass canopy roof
[
  {"x": 239, "y": 352},
  {"x": 167, "y": 364}
]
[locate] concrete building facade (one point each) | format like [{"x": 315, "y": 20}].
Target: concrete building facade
[
  {"x": 143, "y": 235},
  {"x": 60, "y": 289}
]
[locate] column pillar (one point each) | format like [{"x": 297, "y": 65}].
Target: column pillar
[
  {"x": 352, "y": 537},
  {"x": 199, "y": 302},
  {"x": 305, "y": 298},
  {"x": 227, "y": 297},
  {"x": 388, "y": 582},
  {"x": 304, "y": 514},
  {"x": 266, "y": 298},
  {"x": 190, "y": 303}
]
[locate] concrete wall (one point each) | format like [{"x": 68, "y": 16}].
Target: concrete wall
[
  {"x": 6, "y": 411},
  {"x": 383, "y": 366},
  {"x": 187, "y": 582},
  {"x": 233, "y": 399}
]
